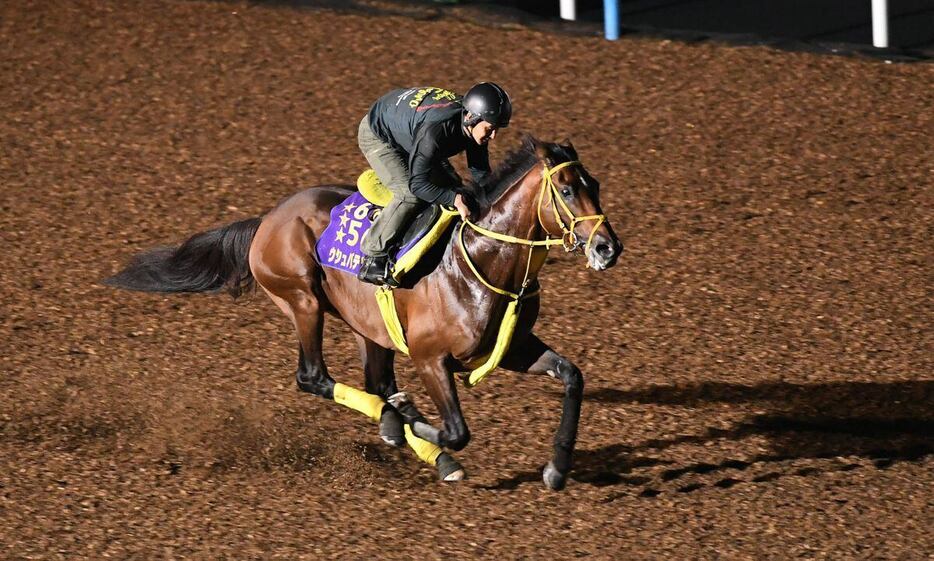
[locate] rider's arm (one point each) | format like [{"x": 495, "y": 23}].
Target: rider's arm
[
  {"x": 451, "y": 172},
  {"x": 423, "y": 157},
  {"x": 478, "y": 162}
]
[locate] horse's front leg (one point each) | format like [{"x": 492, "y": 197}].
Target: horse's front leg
[
  {"x": 453, "y": 434},
  {"x": 439, "y": 382},
  {"x": 535, "y": 357}
]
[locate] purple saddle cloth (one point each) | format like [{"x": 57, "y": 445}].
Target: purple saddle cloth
[{"x": 339, "y": 244}]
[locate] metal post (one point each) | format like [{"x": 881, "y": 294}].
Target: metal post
[
  {"x": 611, "y": 19},
  {"x": 568, "y": 9},
  {"x": 880, "y": 24}
]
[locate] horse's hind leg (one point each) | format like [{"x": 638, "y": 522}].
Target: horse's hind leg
[
  {"x": 312, "y": 375},
  {"x": 281, "y": 260},
  {"x": 307, "y": 317},
  {"x": 380, "y": 379}
]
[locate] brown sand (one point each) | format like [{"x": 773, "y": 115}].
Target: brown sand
[{"x": 759, "y": 364}]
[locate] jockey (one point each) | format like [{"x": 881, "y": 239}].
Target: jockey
[{"x": 407, "y": 137}]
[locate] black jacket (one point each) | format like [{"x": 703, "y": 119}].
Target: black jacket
[{"x": 427, "y": 125}]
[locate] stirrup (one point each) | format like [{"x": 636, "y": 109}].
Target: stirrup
[{"x": 372, "y": 273}]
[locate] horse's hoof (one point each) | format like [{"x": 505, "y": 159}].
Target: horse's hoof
[
  {"x": 458, "y": 475},
  {"x": 398, "y": 399},
  {"x": 554, "y": 479},
  {"x": 390, "y": 428},
  {"x": 393, "y": 441},
  {"x": 449, "y": 469}
]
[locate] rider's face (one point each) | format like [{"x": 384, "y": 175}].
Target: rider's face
[{"x": 483, "y": 132}]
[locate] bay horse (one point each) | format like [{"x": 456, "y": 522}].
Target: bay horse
[{"x": 541, "y": 195}]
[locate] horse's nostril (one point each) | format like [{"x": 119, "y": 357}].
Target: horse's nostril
[{"x": 604, "y": 250}]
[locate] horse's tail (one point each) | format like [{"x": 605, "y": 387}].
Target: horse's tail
[{"x": 206, "y": 262}]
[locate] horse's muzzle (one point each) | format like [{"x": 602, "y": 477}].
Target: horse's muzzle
[{"x": 604, "y": 252}]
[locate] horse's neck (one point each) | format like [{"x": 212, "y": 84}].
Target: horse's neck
[{"x": 503, "y": 264}]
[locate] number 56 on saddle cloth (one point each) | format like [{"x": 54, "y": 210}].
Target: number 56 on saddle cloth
[{"x": 339, "y": 244}]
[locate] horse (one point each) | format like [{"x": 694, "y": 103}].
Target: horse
[{"x": 540, "y": 196}]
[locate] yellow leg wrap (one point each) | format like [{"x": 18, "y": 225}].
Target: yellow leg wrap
[
  {"x": 366, "y": 403},
  {"x": 372, "y": 406},
  {"x": 426, "y": 451}
]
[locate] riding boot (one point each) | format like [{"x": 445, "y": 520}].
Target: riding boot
[{"x": 377, "y": 270}]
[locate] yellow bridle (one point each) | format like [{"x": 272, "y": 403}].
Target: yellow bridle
[
  {"x": 568, "y": 237},
  {"x": 569, "y": 240}
]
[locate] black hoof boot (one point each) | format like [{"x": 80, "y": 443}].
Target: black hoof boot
[
  {"x": 449, "y": 469},
  {"x": 390, "y": 427},
  {"x": 420, "y": 426}
]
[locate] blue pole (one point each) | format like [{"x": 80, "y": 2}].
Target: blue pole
[{"x": 611, "y": 19}]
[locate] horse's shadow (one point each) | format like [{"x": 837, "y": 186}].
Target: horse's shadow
[{"x": 881, "y": 422}]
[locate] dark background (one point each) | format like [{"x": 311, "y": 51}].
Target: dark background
[{"x": 911, "y": 22}]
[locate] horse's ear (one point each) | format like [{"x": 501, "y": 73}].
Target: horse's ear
[
  {"x": 566, "y": 144},
  {"x": 540, "y": 149}
]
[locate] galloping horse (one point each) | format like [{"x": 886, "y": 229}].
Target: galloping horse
[{"x": 540, "y": 196}]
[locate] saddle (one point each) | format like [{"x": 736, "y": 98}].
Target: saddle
[{"x": 339, "y": 244}]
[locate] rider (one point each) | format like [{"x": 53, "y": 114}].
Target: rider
[{"x": 407, "y": 137}]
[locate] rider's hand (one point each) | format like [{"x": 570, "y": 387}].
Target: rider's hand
[{"x": 462, "y": 207}]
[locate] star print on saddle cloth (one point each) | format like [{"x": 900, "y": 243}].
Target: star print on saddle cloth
[{"x": 339, "y": 244}]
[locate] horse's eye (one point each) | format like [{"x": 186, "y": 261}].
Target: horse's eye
[{"x": 566, "y": 192}]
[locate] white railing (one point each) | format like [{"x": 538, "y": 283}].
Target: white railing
[
  {"x": 880, "y": 23},
  {"x": 880, "y": 19}
]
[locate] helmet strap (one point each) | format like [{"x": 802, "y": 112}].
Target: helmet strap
[{"x": 471, "y": 120}]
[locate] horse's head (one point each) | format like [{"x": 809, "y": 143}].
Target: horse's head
[{"x": 569, "y": 205}]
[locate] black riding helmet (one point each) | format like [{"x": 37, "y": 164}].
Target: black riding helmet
[{"x": 487, "y": 102}]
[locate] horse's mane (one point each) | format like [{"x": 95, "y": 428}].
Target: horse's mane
[{"x": 514, "y": 166}]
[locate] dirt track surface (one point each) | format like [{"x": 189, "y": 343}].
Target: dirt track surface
[{"x": 758, "y": 366}]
